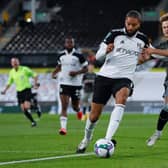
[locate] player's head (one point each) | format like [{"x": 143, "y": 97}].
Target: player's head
[
  {"x": 164, "y": 24},
  {"x": 15, "y": 62},
  {"x": 69, "y": 43},
  {"x": 132, "y": 22}
]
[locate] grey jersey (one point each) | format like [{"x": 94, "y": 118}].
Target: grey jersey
[{"x": 164, "y": 45}]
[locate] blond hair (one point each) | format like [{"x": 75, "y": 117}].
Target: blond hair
[{"x": 164, "y": 18}]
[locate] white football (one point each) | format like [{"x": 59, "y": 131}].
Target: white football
[{"x": 103, "y": 148}]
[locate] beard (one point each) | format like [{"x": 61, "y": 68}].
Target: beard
[{"x": 130, "y": 34}]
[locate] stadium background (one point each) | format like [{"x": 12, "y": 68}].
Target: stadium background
[{"x": 34, "y": 30}]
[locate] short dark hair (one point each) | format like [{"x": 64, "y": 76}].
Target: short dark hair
[{"x": 134, "y": 14}]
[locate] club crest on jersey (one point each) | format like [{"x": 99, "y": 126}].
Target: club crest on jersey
[{"x": 122, "y": 42}]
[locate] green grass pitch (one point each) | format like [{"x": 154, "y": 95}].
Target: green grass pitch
[{"x": 18, "y": 142}]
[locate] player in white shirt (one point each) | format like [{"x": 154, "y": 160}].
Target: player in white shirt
[
  {"x": 121, "y": 49},
  {"x": 71, "y": 65}
]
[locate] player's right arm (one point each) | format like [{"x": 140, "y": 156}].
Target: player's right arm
[
  {"x": 106, "y": 46},
  {"x": 56, "y": 70},
  {"x": 9, "y": 83}
]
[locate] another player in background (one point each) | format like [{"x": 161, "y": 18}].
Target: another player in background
[
  {"x": 121, "y": 49},
  {"x": 161, "y": 49},
  {"x": 88, "y": 85},
  {"x": 20, "y": 75},
  {"x": 71, "y": 66}
]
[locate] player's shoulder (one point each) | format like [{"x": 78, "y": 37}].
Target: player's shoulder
[
  {"x": 109, "y": 38},
  {"x": 61, "y": 53},
  {"x": 77, "y": 53},
  {"x": 119, "y": 31},
  {"x": 142, "y": 36}
]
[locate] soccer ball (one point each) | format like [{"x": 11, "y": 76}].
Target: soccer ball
[{"x": 104, "y": 148}]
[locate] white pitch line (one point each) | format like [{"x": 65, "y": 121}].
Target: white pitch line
[{"x": 46, "y": 158}]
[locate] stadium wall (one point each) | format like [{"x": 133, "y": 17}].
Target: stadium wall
[{"x": 147, "y": 96}]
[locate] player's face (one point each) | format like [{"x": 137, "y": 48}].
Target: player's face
[
  {"x": 132, "y": 25},
  {"x": 165, "y": 28},
  {"x": 69, "y": 43},
  {"x": 14, "y": 62}
]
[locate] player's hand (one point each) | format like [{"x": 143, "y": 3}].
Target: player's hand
[
  {"x": 73, "y": 73},
  {"x": 109, "y": 48},
  {"x": 146, "y": 53}
]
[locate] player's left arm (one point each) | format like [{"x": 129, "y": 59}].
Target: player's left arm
[
  {"x": 156, "y": 52},
  {"x": 34, "y": 75}
]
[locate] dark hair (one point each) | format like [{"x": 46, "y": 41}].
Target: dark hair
[{"x": 134, "y": 14}]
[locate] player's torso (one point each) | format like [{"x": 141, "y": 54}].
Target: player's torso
[
  {"x": 122, "y": 61},
  {"x": 20, "y": 78},
  {"x": 69, "y": 63}
]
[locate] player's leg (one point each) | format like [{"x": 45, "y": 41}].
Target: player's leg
[
  {"x": 95, "y": 113},
  {"x": 122, "y": 89},
  {"x": 85, "y": 105},
  {"x": 63, "y": 116},
  {"x": 24, "y": 99},
  {"x": 75, "y": 100},
  {"x": 117, "y": 113},
  {"x": 35, "y": 105},
  {"x": 102, "y": 92},
  {"x": 26, "y": 106},
  {"x": 162, "y": 120}
]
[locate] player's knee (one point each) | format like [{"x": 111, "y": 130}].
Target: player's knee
[{"x": 93, "y": 117}]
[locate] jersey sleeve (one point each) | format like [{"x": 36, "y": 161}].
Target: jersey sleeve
[
  {"x": 30, "y": 72},
  {"x": 109, "y": 38},
  {"x": 82, "y": 59}
]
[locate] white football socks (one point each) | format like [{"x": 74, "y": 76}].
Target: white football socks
[
  {"x": 63, "y": 122},
  {"x": 115, "y": 119},
  {"x": 89, "y": 128}
]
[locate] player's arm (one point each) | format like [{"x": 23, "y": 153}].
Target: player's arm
[
  {"x": 84, "y": 68},
  {"x": 32, "y": 74},
  {"x": 5, "y": 89},
  {"x": 104, "y": 49},
  {"x": 56, "y": 70},
  {"x": 156, "y": 52},
  {"x": 9, "y": 83}
]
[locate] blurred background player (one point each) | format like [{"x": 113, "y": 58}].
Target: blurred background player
[
  {"x": 20, "y": 75},
  {"x": 121, "y": 49},
  {"x": 88, "y": 84},
  {"x": 161, "y": 49},
  {"x": 71, "y": 66}
]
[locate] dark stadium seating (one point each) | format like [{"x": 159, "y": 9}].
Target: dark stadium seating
[{"x": 87, "y": 21}]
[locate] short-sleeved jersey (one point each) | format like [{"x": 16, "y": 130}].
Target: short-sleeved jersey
[
  {"x": 72, "y": 61},
  {"x": 122, "y": 61},
  {"x": 21, "y": 77}
]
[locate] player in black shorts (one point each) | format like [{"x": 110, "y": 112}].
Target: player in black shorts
[{"x": 70, "y": 65}]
